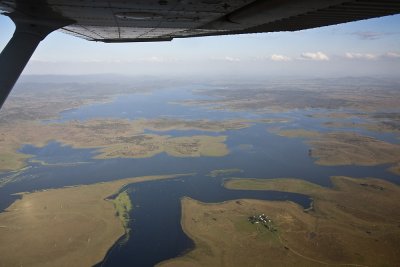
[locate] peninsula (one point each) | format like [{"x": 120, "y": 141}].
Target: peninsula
[
  {"x": 356, "y": 223},
  {"x": 79, "y": 223}
]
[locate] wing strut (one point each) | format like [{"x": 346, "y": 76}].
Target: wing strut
[{"x": 14, "y": 57}]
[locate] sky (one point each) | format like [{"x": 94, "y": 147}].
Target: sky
[{"x": 364, "y": 48}]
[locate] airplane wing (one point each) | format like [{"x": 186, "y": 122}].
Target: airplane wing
[{"x": 162, "y": 20}]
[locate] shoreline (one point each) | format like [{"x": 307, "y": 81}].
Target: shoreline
[
  {"x": 56, "y": 214},
  {"x": 346, "y": 226}
]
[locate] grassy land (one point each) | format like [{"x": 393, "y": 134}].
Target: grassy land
[
  {"x": 116, "y": 138},
  {"x": 353, "y": 224},
  {"x": 395, "y": 169},
  {"x": 346, "y": 148},
  {"x": 376, "y": 126},
  {"x": 72, "y": 226},
  {"x": 362, "y": 95},
  {"x": 123, "y": 205},
  {"x": 188, "y": 146},
  {"x": 301, "y": 133},
  {"x": 12, "y": 161},
  {"x": 224, "y": 172},
  {"x": 279, "y": 184}
]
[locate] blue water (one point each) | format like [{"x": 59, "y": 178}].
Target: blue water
[
  {"x": 156, "y": 227},
  {"x": 255, "y": 150},
  {"x": 158, "y": 104}
]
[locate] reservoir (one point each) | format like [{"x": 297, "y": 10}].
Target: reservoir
[{"x": 155, "y": 218}]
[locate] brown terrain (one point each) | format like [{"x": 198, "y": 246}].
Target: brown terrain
[
  {"x": 115, "y": 138},
  {"x": 368, "y": 95},
  {"x": 346, "y": 148},
  {"x": 72, "y": 226},
  {"x": 356, "y": 223}
]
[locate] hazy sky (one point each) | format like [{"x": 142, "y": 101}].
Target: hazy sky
[{"x": 369, "y": 47}]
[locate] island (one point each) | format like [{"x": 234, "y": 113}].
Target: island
[
  {"x": 346, "y": 148},
  {"x": 385, "y": 126},
  {"x": 118, "y": 138},
  {"x": 224, "y": 172}
]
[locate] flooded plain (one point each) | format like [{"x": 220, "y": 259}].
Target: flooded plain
[{"x": 155, "y": 218}]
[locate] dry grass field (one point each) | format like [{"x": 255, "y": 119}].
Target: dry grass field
[
  {"x": 357, "y": 223},
  {"x": 346, "y": 148},
  {"x": 72, "y": 226}
]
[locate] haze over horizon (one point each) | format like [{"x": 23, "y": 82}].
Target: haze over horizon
[
  {"x": 363, "y": 48},
  {"x": 273, "y": 149}
]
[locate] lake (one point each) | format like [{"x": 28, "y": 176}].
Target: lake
[{"x": 155, "y": 219}]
